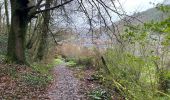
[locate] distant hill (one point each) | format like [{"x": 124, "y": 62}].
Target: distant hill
[
  {"x": 152, "y": 14},
  {"x": 139, "y": 18},
  {"x": 146, "y": 16},
  {"x": 149, "y": 15}
]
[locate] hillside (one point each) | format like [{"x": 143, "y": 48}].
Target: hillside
[
  {"x": 138, "y": 18},
  {"x": 152, "y": 14},
  {"x": 149, "y": 15}
]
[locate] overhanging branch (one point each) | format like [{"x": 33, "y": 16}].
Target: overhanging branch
[{"x": 52, "y": 8}]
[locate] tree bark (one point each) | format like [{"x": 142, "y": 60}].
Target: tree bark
[
  {"x": 21, "y": 14},
  {"x": 7, "y": 15},
  {"x": 44, "y": 34},
  {"x": 16, "y": 39},
  {"x": 0, "y": 19}
]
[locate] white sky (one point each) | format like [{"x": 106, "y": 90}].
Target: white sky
[{"x": 131, "y": 6}]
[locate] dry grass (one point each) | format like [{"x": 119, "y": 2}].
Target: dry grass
[{"x": 74, "y": 51}]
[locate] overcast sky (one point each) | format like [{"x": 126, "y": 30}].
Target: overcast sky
[{"x": 131, "y": 6}]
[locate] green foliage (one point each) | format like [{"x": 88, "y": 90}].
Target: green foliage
[
  {"x": 84, "y": 62},
  {"x": 129, "y": 74},
  {"x": 99, "y": 94},
  {"x": 164, "y": 81},
  {"x": 45, "y": 69},
  {"x": 42, "y": 75},
  {"x": 163, "y": 8},
  {"x": 138, "y": 67},
  {"x": 36, "y": 80},
  {"x": 71, "y": 63},
  {"x": 12, "y": 72},
  {"x": 58, "y": 61},
  {"x": 41, "y": 68}
]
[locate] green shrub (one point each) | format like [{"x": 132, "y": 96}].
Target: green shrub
[{"x": 134, "y": 77}]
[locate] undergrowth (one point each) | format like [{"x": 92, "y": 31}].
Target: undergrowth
[
  {"x": 133, "y": 77},
  {"x": 99, "y": 94},
  {"x": 36, "y": 80},
  {"x": 81, "y": 62},
  {"x": 42, "y": 73}
]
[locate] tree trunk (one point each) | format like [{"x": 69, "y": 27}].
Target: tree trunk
[
  {"x": 0, "y": 19},
  {"x": 16, "y": 39},
  {"x": 44, "y": 34},
  {"x": 7, "y": 15}
]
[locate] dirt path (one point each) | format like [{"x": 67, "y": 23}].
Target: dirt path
[{"x": 65, "y": 85}]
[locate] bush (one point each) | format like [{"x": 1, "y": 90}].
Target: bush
[{"x": 134, "y": 77}]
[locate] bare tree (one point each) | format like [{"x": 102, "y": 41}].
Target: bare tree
[
  {"x": 42, "y": 48},
  {"x": 21, "y": 15}
]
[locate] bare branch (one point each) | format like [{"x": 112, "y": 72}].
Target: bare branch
[
  {"x": 39, "y": 2},
  {"x": 52, "y": 8}
]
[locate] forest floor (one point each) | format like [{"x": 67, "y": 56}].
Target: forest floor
[
  {"x": 65, "y": 86},
  {"x": 13, "y": 84},
  {"x": 76, "y": 83},
  {"x": 71, "y": 83}
]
